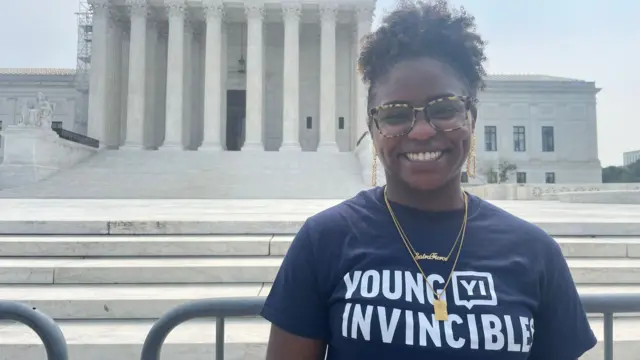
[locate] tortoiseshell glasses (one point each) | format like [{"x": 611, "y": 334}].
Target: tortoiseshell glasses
[{"x": 444, "y": 114}]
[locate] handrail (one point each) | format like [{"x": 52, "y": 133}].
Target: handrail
[
  {"x": 218, "y": 308},
  {"x": 48, "y": 331},
  {"x": 251, "y": 306},
  {"x": 75, "y": 137}
]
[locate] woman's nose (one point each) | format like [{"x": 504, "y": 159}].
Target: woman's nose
[{"x": 422, "y": 129}]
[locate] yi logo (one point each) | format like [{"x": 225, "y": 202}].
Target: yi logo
[{"x": 472, "y": 288}]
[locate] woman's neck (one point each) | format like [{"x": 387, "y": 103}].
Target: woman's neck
[{"x": 448, "y": 197}]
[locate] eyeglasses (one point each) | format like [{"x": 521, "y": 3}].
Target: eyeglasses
[{"x": 444, "y": 114}]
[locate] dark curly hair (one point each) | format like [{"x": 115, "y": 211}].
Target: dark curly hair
[{"x": 417, "y": 29}]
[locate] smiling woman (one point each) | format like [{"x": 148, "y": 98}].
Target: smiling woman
[{"x": 419, "y": 269}]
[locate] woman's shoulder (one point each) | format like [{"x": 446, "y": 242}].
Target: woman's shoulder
[
  {"x": 495, "y": 220},
  {"x": 353, "y": 210}
]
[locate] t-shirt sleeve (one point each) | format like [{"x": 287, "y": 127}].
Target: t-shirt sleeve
[
  {"x": 561, "y": 328},
  {"x": 295, "y": 303}
]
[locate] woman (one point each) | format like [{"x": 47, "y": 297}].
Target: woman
[{"x": 419, "y": 269}]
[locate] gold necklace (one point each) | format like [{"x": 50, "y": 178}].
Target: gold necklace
[
  {"x": 424, "y": 256},
  {"x": 439, "y": 305}
]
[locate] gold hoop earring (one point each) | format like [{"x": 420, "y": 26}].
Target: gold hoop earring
[
  {"x": 374, "y": 166},
  {"x": 471, "y": 158}
]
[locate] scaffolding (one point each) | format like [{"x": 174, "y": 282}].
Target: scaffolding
[
  {"x": 85, "y": 32},
  {"x": 83, "y": 66}
]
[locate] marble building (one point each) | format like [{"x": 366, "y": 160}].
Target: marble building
[
  {"x": 213, "y": 75},
  {"x": 209, "y": 75},
  {"x": 630, "y": 157},
  {"x": 545, "y": 125}
]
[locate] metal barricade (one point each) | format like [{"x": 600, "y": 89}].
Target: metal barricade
[
  {"x": 210, "y": 308},
  {"x": 237, "y": 307},
  {"x": 610, "y": 305},
  {"x": 48, "y": 331}
]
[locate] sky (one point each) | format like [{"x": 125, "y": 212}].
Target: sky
[{"x": 591, "y": 40}]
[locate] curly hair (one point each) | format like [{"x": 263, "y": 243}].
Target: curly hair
[{"x": 418, "y": 29}]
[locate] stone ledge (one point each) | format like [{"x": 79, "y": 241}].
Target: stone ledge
[
  {"x": 119, "y": 301},
  {"x": 139, "y": 246},
  {"x": 251, "y": 269},
  {"x": 602, "y": 197},
  {"x": 260, "y": 227},
  {"x": 240, "y": 245}
]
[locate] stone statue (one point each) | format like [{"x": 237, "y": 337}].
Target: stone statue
[{"x": 38, "y": 114}]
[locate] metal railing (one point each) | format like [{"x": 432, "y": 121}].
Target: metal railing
[
  {"x": 238, "y": 307},
  {"x": 208, "y": 308},
  {"x": 48, "y": 331},
  {"x": 75, "y": 137}
]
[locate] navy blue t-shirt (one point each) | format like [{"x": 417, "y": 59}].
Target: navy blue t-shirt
[{"x": 349, "y": 281}]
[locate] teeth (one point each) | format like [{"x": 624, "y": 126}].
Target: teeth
[{"x": 425, "y": 156}]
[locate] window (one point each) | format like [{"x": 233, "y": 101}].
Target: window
[
  {"x": 309, "y": 122},
  {"x": 548, "y": 144},
  {"x": 519, "y": 142},
  {"x": 492, "y": 177},
  {"x": 521, "y": 177},
  {"x": 550, "y": 178},
  {"x": 490, "y": 138},
  {"x": 464, "y": 177},
  {"x": 56, "y": 125}
]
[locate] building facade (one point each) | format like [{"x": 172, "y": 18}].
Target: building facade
[
  {"x": 213, "y": 75},
  {"x": 544, "y": 127},
  {"x": 630, "y": 157},
  {"x": 209, "y": 75}
]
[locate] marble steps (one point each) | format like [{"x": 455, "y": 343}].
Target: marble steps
[
  {"x": 121, "y": 301},
  {"x": 173, "y": 270},
  {"x": 150, "y": 301},
  {"x": 231, "y": 269},
  {"x": 245, "y": 340},
  {"x": 144, "y": 246},
  {"x": 203, "y": 175},
  {"x": 240, "y": 245}
]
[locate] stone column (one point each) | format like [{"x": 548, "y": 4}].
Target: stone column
[
  {"x": 118, "y": 65},
  {"x": 160, "y": 74},
  {"x": 173, "y": 138},
  {"x": 224, "y": 63},
  {"x": 213, "y": 76},
  {"x": 364, "y": 16},
  {"x": 291, "y": 78},
  {"x": 187, "y": 84},
  {"x": 151, "y": 112},
  {"x": 328, "y": 79},
  {"x": 137, "y": 75},
  {"x": 99, "y": 76},
  {"x": 255, "y": 78}
]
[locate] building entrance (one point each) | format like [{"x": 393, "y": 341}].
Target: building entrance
[{"x": 236, "y": 119}]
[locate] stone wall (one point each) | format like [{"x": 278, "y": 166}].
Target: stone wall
[{"x": 541, "y": 191}]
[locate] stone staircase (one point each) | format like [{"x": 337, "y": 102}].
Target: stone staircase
[
  {"x": 202, "y": 175},
  {"x": 105, "y": 270}
]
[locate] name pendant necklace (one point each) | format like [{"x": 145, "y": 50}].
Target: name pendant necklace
[{"x": 439, "y": 305}]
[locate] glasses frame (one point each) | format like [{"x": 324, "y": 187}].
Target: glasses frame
[{"x": 469, "y": 102}]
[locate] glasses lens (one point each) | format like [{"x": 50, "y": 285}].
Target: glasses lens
[
  {"x": 395, "y": 120},
  {"x": 447, "y": 113}
]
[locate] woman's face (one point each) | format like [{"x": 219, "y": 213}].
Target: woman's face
[{"x": 424, "y": 159}]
